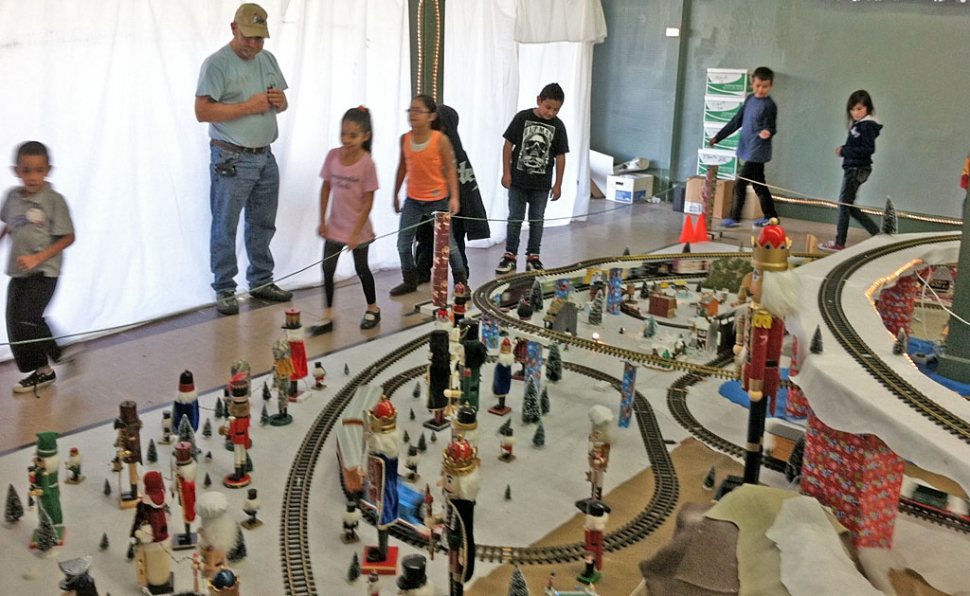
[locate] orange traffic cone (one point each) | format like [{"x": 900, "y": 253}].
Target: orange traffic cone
[
  {"x": 700, "y": 230},
  {"x": 687, "y": 233}
]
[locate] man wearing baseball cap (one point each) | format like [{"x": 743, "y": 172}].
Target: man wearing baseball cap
[{"x": 240, "y": 92}]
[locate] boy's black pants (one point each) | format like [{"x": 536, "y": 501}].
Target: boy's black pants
[{"x": 27, "y": 299}]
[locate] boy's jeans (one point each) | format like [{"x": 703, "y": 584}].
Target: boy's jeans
[
  {"x": 518, "y": 199},
  {"x": 411, "y": 214},
  {"x": 255, "y": 188}
]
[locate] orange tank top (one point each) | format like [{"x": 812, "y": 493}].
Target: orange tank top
[{"x": 426, "y": 181}]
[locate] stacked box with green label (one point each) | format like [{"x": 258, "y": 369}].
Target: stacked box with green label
[{"x": 724, "y": 95}]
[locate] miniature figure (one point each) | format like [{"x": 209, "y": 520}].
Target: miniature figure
[
  {"x": 73, "y": 465},
  {"x": 319, "y": 374},
  {"x": 597, "y": 515},
  {"x": 521, "y": 353},
  {"x": 383, "y": 445},
  {"x": 459, "y": 300},
  {"x": 598, "y": 448},
  {"x": 524, "y": 309},
  {"x": 761, "y": 332},
  {"x": 77, "y": 582},
  {"x": 150, "y": 534},
  {"x": 128, "y": 449},
  {"x": 237, "y": 430},
  {"x": 411, "y": 464},
  {"x": 710, "y": 479},
  {"x": 414, "y": 579},
  {"x": 166, "y": 427},
  {"x": 185, "y": 471},
  {"x": 506, "y": 442},
  {"x": 502, "y": 381},
  {"x": 251, "y": 508},
  {"x": 187, "y": 400},
  {"x": 218, "y": 531},
  {"x": 460, "y": 482},
  {"x": 473, "y": 356},
  {"x": 282, "y": 368},
  {"x": 351, "y": 520},
  {"x": 43, "y": 483},
  {"x": 294, "y": 335},
  {"x": 374, "y": 584},
  {"x": 590, "y": 575},
  {"x": 439, "y": 378}
]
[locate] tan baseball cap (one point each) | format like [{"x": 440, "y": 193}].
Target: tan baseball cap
[{"x": 251, "y": 20}]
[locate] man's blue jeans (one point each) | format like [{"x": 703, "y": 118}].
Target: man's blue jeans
[
  {"x": 254, "y": 187},
  {"x": 411, "y": 214},
  {"x": 518, "y": 199}
]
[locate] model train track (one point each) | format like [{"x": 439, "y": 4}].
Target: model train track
[{"x": 830, "y": 307}]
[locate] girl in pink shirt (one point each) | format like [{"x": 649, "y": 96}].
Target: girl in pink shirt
[{"x": 349, "y": 172}]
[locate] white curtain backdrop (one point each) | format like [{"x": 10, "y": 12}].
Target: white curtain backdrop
[{"x": 109, "y": 86}]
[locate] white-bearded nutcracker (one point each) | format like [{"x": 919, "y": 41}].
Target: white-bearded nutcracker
[
  {"x": 460, "y": 480},
  {"x": 598, "y": 448},
  {"x": 217, "y": 534},
  {"x": 502, "y": 381}
]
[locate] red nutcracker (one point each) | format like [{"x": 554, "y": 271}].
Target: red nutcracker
[
  {"x": 185, "y": 471},
  {"x": 521, "y": 353},
  {"x": 295, "y": 335},
  {"x": 237, "y": 430},
  {"x": 459, "y": 301},
  {"x": 597, "y": 515},
  {"x": 761, "y": 332}
]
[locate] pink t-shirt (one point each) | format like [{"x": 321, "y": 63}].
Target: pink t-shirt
[{"x": 347, "y": 186}]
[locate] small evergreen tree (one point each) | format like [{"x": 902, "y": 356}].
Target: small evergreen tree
[
  {"x": 264, "y": 416},
  {"x": 651, "y": 330},
  {"x": 554, "y": 364},
  {"x": 530, "y": 404},
  {"x": 539, "y": 438},
  {"x": 416, "y": 393},
  {"x": 508, "y": 492},
  {"x": 544, "y": 401},
  {"x": 407, "y": 437},
  {"x": 644, "y": 290},
  {"x": 208, "y": 456},
  {"x": 207, "y": 482},
  {"x": 107, "y": 488},
  {"x": 535, "y": 298},
  {"x": 346, "y": 369},
  {"x": 46, "y": 534},
  {"x": 626, "y": 251},
  {"x": 219, "y": 411},
  {"x": 267, "y": 394},
  {"x": 238, "y": 552},
  {"x": 710, "y": 478},
  {"x": 14, "y": 508},
  {"x": 517, "y": 586},
  {"x": 422, "y": 443},
  {"x": 207, "y": 428},
  {"x": 686, "y": 248},
  {"x": 890, "y": 223},
  {"x": 596, "y": 311},
  {"x": 354, "y": 571},
  {"x": 901, "y": 343},
  {"x": 152, "y": 455},
  {"x": 187, "y": 434},
  {"x": 130, "y": 553},
  {"x": 434, "y": 437},
  {"x": 104, "y": 544},
  {"x": 816, "y": 345},
  {"x": 411, "y": 416}
]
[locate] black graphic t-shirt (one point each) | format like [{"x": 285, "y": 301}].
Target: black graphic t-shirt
[{"x": 535, "y": 145}]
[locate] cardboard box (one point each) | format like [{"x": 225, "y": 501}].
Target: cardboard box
[
  {"x": 727, "y": 81},
  {"x": 726, "y": 162},
  {"x": 719, "y": 109},
  {"x": 629, "y": 188},
  {"x": 728, "y": 144},
  {"x": 723, "y": 196},
  {"x": 752, "y": 205}
]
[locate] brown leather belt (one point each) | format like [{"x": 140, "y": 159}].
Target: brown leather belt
[{"x": 254, "y": 150}]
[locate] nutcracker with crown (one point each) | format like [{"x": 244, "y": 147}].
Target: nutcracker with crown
[
  {"x": 774, "y": 293},
  {"x": 236, "y": 430},
  {"x": 150, "y": 534},
  {"x": 185, "y": 471},
  {"x": 502, "y": 380},
  {"x": 128, "y": 450},
  {"x": 460, "y": 481},
  {"x": 384, "y": 442},
  {"x": 295, "y": 336},
  {"x": 44, "y": 485}
]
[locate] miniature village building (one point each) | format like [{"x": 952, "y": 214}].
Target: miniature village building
[
  {"x": 662, "y": 305},
  {"x": 561, "y": 316}
]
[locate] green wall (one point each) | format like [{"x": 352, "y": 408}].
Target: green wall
[{"x": 911, "y": 56}]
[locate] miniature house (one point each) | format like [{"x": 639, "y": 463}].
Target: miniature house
[{"x": 662, "y": 306}]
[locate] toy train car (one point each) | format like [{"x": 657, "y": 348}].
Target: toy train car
[
  {"x": 937, "y": 500},
  {"x": 648, "y": 269}
]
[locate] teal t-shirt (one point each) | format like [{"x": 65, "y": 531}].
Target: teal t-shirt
[{"x": 227, "y": 78}]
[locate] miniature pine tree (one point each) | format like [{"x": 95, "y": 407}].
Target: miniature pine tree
[
  {"x": 152, "y": 455},
  {"x": 354, "y": 571},
  {"x": 103, "y": 545},
  {"x": 416, "y": 393},
  {"x": 890, "y": 223},
  {"x": 651, "y": 330},
  {"x": 346, "y": 369},
  {"x": 130, "y": 554},
  {"x": 219, "y": 412},
  {"x": 517, "y": 586},
  {"x": 187, "y": 434},
  {"x": 816, "y": 345},
  {"x": 412, "y": 416},
  {"x": 530, "y": 404},
  {"x": 208, "y": 456},
  {"x": 508, "y": 492},
  {"x": 539, "y": 438},
  {"x": 267, "y": 394},
  {"x": 238, "y": 552},
  {"x": 46, "y": 534},
  {"x": 596, "y": 310},
  {"x": 554, "y": 364},
  {"x": 207, "y": 482},
  {"x": 107, "y": 488},
  {"x": 14, "y": 509},
  {"x": 207, "y": 428},
  {"x": 644, "y": 290},
  {"x": 710, "y": 478},
  {"x": 264, "y": 416},
  {"x": 422, "y": 444},
  {"x": 699, "y": 287},
  {"x": 30, "y": 500},
  {"x": 544, "y": 401},
  {"x": 407, "y": 437},
  {"x": 535, "y": 298},
  {"x": 626, "y": 251},
  {"x": 434, "y": 437},
  {"x": 901, "y": 342},
  {"x": 686, "y": 248}
]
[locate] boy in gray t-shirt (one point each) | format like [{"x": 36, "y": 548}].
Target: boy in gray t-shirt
[{"x": 40, "y": 228}]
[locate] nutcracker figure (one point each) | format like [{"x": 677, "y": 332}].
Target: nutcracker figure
[
  {"x": 77, "y": 582},
  {"x": 185, "y": 471},
  {"x": 295, "y": 335},
  {"x": 598, "y": 448},
  {"x": 128, "y": 449},
  {"x": 73, "y": 465},
  {"x": 474, "y": 354},
  {"x": 150, "y": 534},
  {"x": 187, "y": 401},
  {"x": 44, "y": 481},
  {"x": 459, "y": 301},
  {"x": 166, "y": 428},
  {"x": 217, "y": 532},
  {"x": 502, "y": 382},
  {"x": 319, "y": 374},
  {"x": 411, "y": 464},
  {"x": 350, "y": 521},
  {"x": 460, "y": 481},
  {"x": 384, "y": 442},
  {"x": 414, "y": 578},
  {"x": 439, "y": 379},
  {"x": 374, "y": 584},
  {"x": 506, "y": 443},
  {"x": 521, "y": 353},
  {"x": 251, "y": 508},
  {"x": 597, "y": 515},
  {"x": 282, "y": 382},
  {"x": 237, "y": 430},
  {"x": 774, "y": 295}
]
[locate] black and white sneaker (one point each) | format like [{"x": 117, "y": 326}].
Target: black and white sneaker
[
  {"x": 532, "y": 263},
  {"x": 506, "y": 265},
  {"x": 36, "y": 380}
]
